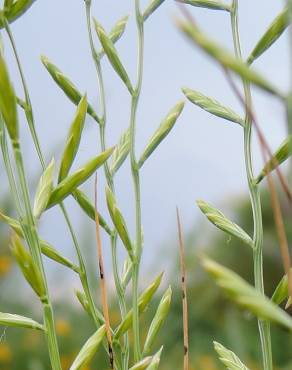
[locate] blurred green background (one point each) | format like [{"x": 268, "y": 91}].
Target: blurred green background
[{"x": 211, "y": 316}]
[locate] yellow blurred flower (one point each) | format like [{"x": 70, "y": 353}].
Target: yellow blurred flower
[
  {"x": 5, "y": 353},
  {"x": 206, "y": 362},
  {"x": 66, "y": 362},
  {"x": 63, "y": 328},
  {"x": 5, "y": 265}
]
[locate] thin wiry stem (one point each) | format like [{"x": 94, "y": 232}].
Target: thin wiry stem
[
  {"x": 136, "y": 180},
  {"x": 184, "y": 291},
  {"x": 264, "y": 326},
  {"x": 28, "y": 105},
  {"x": 109, "y": 179},
  {"x": 30, "y": 118},
  {"x": 30, "y": 232}
]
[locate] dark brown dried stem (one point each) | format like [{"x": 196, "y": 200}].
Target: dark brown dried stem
[
  {"x": 184, "y": 292},
  {"x": 102, "y": 281}
]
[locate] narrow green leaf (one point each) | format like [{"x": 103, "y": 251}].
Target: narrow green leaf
[
  {"x": 89, "y": 209},
  {"x": 71, "y": 183},
  {"x": 280, "y": 156},
  {"x": 118, "y": 30},
  {"x": 151, "y": 7},
  {"x": 246, "y": 295},
  {"x": 143, "y": 301},
  {"x": 281, "y": 292},
  {"x": 158, "y": 320},
  {"x": 212, "y": 106},
  {"x": 73, "y": 139},
  {"x": 121, "y": 152},
  {"x": 46, "y": 248},
  {"x": 7, "y": 5},
  {"x": 28, "y": 268},
  {"x": 112, "y": 55},
  {"x": 228, "y": 358},
  {"x": 119, "y": 221},
  {"x": 8, "y": 108},
  {"x": 143, "y": 364},
  {"x": 9, "y": 319},
  {"x": 44, "y": 190},
  {"x": 16, "y": 10},
  {"x": 67, "y": 86},
  {"x": 226, "y": 59},
  {"x": 127, "y": 273},
  {"x": 89, "y": 349},
  {"x": 155, "y": 360},
  {"x": 218, "y": 219},
  {"x": 49, "y": 251},
  {"x": 162, "y": 131},
  {"x": 116, "y": 33},
  {"x": 83, "y": 301},
  {"x": 275, "y": 30},
  {"x": 210, "y": 4}
]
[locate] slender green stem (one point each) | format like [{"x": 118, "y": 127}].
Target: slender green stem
[
  {"x": 136, "y": 180},
  {"x": 28, "y": 108},
  {"x": 30, "y": 231},
  {"x": 289, "y": 97},
  {"x": 110, "y": 182},
  {"x": 264, "y": 326},
  {"x": 98, "y": 319},
  {"x": 8, "y": 167},
  {"x": 31, "y": 122}
]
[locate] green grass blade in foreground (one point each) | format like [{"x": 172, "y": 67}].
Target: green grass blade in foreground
[
  {"x": 212, "y": 106},
  {"x": 121, "y": 152},
  {"x": 229, "y": 358},
  {"x": 154, "y": 364},
  {"x": 8, "y": 319},
  {"x": 119, "y": 222},
  {"x": 226, "y": 59},
  {"x": 44, "y": 190},
  {"x": 8, "y": 106},
  {"x": 67, "y": 86},
  {"x": 158, "y": 320},
  {"x": 28, "y": 268},
  {"x": 143, "y": 364},
  {"x": 116, "y": 33},
  {"x": 281, "y": 155},
  {"x": 16, "y": 10},
  {"x": 272, "y": 34},
  {"x": 73, "y": 139},
  {"x": 210, "y": 4},
  {"x": 112, "y": 55},
  {"x": 281, "y": 292},
  {"x": 245, "y": 295},
  {"x": 218, "y": 219},
  {"x": 89, "y": 349},
  {"x": 143, "y": 301},
  {"x": 151, "y": 7},
  {"x": 89, "y": 209},
  {"x": 71, "y": 183},
  {"x": 162, "y": 131}
]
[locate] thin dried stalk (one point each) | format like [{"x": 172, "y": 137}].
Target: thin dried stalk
[{"x": 103, "y": 281}]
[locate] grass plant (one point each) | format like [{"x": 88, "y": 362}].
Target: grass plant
[{"x": 51, "y": 191}]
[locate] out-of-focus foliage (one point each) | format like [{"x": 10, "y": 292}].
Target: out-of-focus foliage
[{"x": 211, "y": 316}]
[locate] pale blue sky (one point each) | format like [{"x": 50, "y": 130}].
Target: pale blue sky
[{"x": 201, "y": 158}]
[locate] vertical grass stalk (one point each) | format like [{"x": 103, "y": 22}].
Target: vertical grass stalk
[
  {"x": 136, "y": 179},
  {"x": 29, "y": 228},
  {"x": 264, "y": 326},
  {"x": 31, "y": 122},
  {"x": 109, "y": 179}
]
